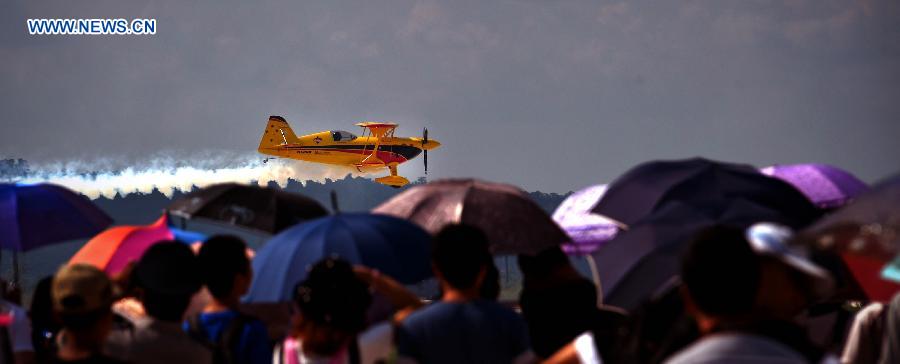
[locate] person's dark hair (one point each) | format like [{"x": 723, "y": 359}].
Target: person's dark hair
[
  {"x": 542, "y": 264},
  {"x": 333, "y": 304},
  {"x": 490, "y": 288},
  {"x": 83, "y": 321},
  {"x": 168, "y": 277},
  {"x": 721, "y": 272},
  {"x": 41, "y": 311},
  {"x": 221, "y": 259},
  {"x": 459, "y": 253},
  {"x": 44, "y": 323}
]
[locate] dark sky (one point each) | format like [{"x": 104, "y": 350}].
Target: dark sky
[{"x": 550, "y": 95}]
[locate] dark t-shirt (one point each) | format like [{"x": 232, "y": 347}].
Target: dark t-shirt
[
  {"x": 253, "y": 347},
  {"x": 473, "y": 332}
]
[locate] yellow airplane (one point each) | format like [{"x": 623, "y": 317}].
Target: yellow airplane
[{"x": 377, "y": 148}]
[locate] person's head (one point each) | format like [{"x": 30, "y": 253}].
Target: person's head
[
  {"x": 543, "y": 264},
  {"x": 82, "y": 299},
  {"x": 330, "y": 307},
  {"x": 225, "y": 268},
  {"x": 720, "y": 275},
  {"x": 460, "y": 257},
  {"x": 166, "y": 278},
  {"x": 42, "y": 304}
]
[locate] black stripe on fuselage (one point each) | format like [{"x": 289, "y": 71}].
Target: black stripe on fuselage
[{"x": 406, "y": 151}]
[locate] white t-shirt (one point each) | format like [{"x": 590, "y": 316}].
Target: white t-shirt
[
  {"x": 587, "y": 351},
  {"x": 375, "y": 344},
  {"x": 19, "y": 329}
]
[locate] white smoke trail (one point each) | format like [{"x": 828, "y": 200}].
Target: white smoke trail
[{"x": 169, "y": 175}]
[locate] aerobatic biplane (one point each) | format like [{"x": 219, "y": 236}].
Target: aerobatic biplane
[{"x": 377, "y": 148}]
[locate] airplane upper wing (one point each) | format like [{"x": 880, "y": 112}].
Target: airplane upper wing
[{"x": 378, "y": 130}]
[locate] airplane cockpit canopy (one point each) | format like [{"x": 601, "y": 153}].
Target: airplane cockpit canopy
[{"x": 342, "y": 136}]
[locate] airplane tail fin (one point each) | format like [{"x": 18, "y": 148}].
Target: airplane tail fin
[{"x": 277, "y": 132}]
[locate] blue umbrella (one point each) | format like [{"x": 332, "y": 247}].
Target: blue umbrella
[
  {"x": 32, "y": 216},
  {"x": 394, "y": 246}
]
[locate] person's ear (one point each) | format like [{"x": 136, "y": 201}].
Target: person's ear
[
  {"x": 689, "y": 306},
  {"x": 479, "y": 279},
  {"x": 704, "y": 323},
  {"x": 437, "y": 272},
  {"x": 242, "y": 283}
]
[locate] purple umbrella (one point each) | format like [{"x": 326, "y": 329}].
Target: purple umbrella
[
  {"x": 32, "y": 216},
  {"x": 826, "y": 186},
  {"x": 587, "y": 230}
]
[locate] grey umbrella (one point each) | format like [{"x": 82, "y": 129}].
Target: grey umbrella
[{"x": 513, "y": 223}]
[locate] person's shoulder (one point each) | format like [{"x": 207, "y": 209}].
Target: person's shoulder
[
  {"x": 433, "y": 311},
  {"x": 103, "y": 359},
  {"x": 96, "y": 359},
  {"x": 495, "y": 309},
  {"x": 727, "y": 347}
]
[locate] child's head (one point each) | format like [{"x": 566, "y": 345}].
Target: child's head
[{"x": 330, "y": 307}]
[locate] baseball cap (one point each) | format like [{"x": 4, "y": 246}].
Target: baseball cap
[
  {"x": 81, "y": 289},
  {"x": 771, "y": 239}
]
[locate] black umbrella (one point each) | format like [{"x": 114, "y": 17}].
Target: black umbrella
[
  {"x": 640, "y": 260},
  {"x": 708, "y": 186},
  {"x": 260, "y": 208},
  {"x": 513, "y": 223},
  {"x": 673, "y": 200}
]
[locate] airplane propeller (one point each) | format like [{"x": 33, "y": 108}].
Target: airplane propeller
[{"x": 425, "y": 141}]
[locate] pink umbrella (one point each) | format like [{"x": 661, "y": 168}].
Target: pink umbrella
[{"x": 116, "y": 247}]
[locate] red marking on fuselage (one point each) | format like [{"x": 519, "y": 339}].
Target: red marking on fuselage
[{"x": 384, "y": 156}]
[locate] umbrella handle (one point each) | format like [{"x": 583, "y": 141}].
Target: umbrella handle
[
  {"x": 15, "y": 262},
  {"x": 595, "y": 276}
]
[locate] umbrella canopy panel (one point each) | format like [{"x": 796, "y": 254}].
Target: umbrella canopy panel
[
  {"x": 393, "y": 246},
  {"x": 706, "y": 185},
  {"x": 513, "y": 223},
  {"x": 116, "y": 247},
  {"x": 32, "y": 216},
  {"x": 587, "y": 230},
  {"x": 880, "y": 205},
  {"x": 259, "y": 208},
  {"x": 826, "y": 186}
]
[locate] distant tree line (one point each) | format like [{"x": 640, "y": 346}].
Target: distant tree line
[{"x": 13, "y": 169}]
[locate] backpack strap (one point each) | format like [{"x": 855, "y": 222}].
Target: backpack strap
[{"x": 197, "y": 332}]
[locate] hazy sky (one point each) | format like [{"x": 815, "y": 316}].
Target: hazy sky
[{"x": 550, "y": 95}]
